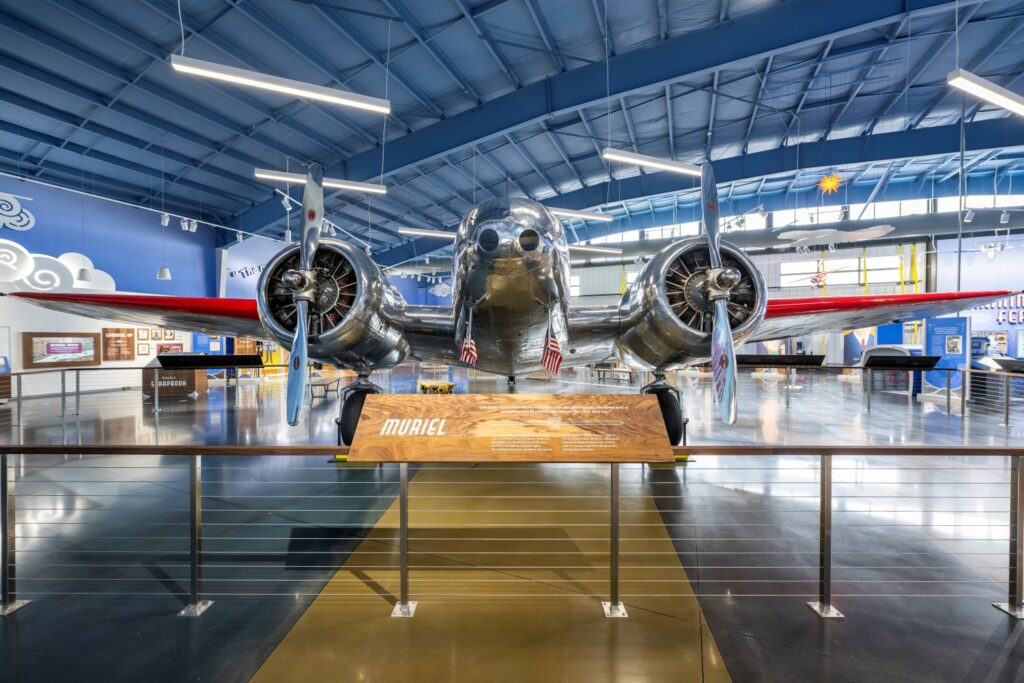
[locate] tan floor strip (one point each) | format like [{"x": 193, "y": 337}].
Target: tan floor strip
[{"x": 509, "y": 565}]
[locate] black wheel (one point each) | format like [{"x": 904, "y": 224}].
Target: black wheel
[
  {"x": 349, "y": 419},
  {"x": 672, "y": 412}
]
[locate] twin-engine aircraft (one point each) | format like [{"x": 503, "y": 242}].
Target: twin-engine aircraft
[{"x": 694, "y": 301}]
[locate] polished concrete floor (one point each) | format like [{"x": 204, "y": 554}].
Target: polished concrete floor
[{"x": 510, "y": 562}]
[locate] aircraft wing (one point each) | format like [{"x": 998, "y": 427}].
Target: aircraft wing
[
  {"x": 232, "y": 317},
  {"x": 795, "y": 317}
]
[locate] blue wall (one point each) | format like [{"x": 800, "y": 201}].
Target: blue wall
[{"x": 126, "y": 242}]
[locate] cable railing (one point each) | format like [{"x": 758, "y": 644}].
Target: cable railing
[{"x": 814, "y": 523}]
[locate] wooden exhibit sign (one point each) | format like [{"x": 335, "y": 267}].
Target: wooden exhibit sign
[
  {"x": 511, "y": 427},
  {"x": 118, "y": 343}
]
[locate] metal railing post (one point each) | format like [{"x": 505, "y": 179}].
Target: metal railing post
[
  {"x": 20, "y": 391},
  {"x": 949, "y": 385},
  {"x": 1006, "y": 400},
  {"x": 964, "y": 378},
  {"x": 869, "y": 377},
  {"x": 823, "y": 606},
  {"x": 613, "y": 608},
  {"x": 156, "y": 390},
  {"x": 196, "y": 604},
  {"x": 78, "y": 392},
  {"x": 8, "y": 585},
  {"x": 404, "y": 608},
  {"x": 1015, "y": 606},
  {"x": 63, "y": 391}
]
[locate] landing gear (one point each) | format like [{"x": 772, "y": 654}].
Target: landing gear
[
  {"x": 671, "y": 408},
  {"x": 352, "y": 398}
]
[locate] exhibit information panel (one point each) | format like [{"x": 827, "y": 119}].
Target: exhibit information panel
[{"x": 511, "y": 427}]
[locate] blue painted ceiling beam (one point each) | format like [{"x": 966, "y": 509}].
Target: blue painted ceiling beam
[
  {"x": 786, "y": 26},
  {"x": 545, "y": 33},
  {"x": 484, "y": 34},
  {"x": 985, "y": 135}
]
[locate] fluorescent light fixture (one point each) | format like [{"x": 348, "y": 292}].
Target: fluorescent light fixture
[
  {"x": 164, "y": 273},
  {"x": 986, "y": 90},
  {"x": 646, "y": 161},
  {"x": 586, "y": 248},
  {"x": 584, "y": 215},
  {"x": 335, "y": 183},
  {"x": 969, "y": 216},
  {"x": 1004, "y": 218},
  {"x": 286, "y": 86},
  {"x": 440, "y": 234}
]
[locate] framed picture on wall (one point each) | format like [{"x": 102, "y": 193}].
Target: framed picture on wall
[
  {"x": 169, "y": 335},
  {"x": 142, "y": 334},
  {"x": 59, "y": 349},
  {"x": 118, "y": 343},
  {"x": 170, "y": 348},
  {"x": 143, "y": 349},
  {"x": 157, "y": 335}
]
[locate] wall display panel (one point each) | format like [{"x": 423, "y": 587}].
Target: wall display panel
[
  {"x": 170, "y": 348},
  {"x": 58, "y": 349},
  {"x": 118, "y": 343}
]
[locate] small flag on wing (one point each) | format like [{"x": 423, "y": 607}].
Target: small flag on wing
[
  {"x": 468, "y": 355},
  {"x": 552, "y": 356}
]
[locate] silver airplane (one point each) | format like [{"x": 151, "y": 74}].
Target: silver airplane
[{"x": 693, "y": 301}]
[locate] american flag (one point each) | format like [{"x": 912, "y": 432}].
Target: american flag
[
  {"x": 552, "y": 357},
  {"x": 468, "y": 355}
]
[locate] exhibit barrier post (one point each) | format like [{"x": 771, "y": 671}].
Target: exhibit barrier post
[
  {"x": 1015, "y": 606},
  {"x": 823, "y": 606},
  {"x": 869, "y": 389},
  {"x": 78, "y": 392},
  {"x": 156, "y": 390},
  {"x": 403, "y": 608},
  {"x": 196, "y": 605},
  {"x": 963, "y": 392},
  {"x": 63, "y": 391},
  {"x": 1006, "y": 400},
  {"x": 949, "y": 385},
  {"x": 20, "y": 392},
  {"x": 8, "y": 585},
  {"x": 614, "y": 609}
]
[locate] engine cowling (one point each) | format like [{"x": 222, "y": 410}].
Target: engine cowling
[
  {"x": 666, "y": 315},
  {"x": 355, "y": 321}
]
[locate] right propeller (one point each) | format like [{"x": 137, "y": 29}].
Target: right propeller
[
  {"x": 720, "y": 283},
  {"x": 303, "y": 284}
]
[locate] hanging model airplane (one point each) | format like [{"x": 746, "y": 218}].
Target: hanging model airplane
[{"x": 694, "y": 301}]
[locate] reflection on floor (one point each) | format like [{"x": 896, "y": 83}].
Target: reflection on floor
[{"x": 509, "y": 563}]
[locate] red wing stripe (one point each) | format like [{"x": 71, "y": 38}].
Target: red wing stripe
[
  {"x": 780, "y": 308},
  {"x": 226, "y": 308}
]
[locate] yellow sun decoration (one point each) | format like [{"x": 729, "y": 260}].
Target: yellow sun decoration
[{"x": 829, "y": 183}]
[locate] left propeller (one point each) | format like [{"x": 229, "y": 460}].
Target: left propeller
[
  {"x": 720, "y": 282},
  {"x": 303, "y": 284}
]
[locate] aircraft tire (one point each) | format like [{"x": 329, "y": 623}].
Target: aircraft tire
[
  {"x": 350, "y": 413},
  {"x": 672, "y": 412}
]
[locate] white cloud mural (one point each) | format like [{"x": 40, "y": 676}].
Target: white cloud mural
[
  {"x": 13, "y": 215},
  {"x": 22, "y": 271}
]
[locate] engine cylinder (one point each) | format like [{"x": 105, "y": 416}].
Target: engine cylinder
[
  {"x": 666, "y": 314},
  {"x": 355, "y": 319}
]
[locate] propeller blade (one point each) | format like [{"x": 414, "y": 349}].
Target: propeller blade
[
  {"x": 709, "y": 207},
  {"x": 312, "y": 215},
  {"x": 723, "y": 355},
  {"x": 297, "y": 366},
  {"x": 723, "y": 363}
]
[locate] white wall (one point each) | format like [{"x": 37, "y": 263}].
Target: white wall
[{"x": 18, "y": 317}]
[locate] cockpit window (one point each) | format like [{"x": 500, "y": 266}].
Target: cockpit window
[
  {"x": 529, "y": 240},
  {"x": 488, "y": 239}
]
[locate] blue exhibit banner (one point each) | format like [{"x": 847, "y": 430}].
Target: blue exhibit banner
[
  {"x": 949, "y": 338},
  {"x": 5, "y": 365}
]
